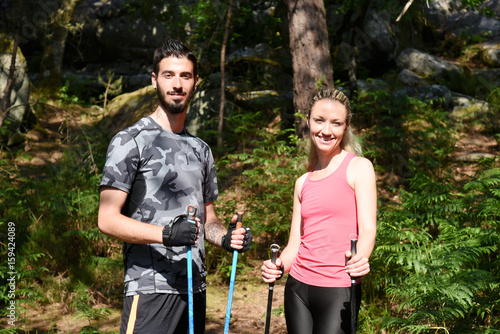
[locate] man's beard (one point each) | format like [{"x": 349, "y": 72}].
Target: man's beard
[{"x": 173, "y": 107}]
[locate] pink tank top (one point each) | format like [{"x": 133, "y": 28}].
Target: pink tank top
[{"x": 329, "y": 217}]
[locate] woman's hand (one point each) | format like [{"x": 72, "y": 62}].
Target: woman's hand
[
  {"x": 271, "y": 271},
  {"x": 357, "y": 266}
]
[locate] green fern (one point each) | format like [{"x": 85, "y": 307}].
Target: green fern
[{"x": 438, "y": 245}]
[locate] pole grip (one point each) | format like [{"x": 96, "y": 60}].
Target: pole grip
[
  {"x": 274, "y": 256},
  {"x": 191, "y": 213},
  {"x": 274, "y": 252},
  {"x": 353, "y": 252},
  {"x": 239, "y": 221}
]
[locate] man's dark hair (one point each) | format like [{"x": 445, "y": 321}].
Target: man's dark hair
[{"x": 173, "y": 48}]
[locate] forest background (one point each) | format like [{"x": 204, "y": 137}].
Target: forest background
[{"x": 436, "y": 265}]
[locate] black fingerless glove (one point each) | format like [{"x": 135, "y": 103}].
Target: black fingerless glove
[
  {"x": 226, "y": 239},
  {"x": 180, "y": 232},
  {"x": 247, "y": 240}
]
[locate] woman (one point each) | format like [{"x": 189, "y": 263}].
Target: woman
[{"x": 334, "y": 202}]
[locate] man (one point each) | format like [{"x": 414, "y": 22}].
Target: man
[{"x": 154, "y": 170}]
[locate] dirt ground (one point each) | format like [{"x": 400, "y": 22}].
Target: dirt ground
[{"x": 248, "y": 312}]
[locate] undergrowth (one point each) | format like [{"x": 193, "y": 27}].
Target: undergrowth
[{"x": 435, "y": 268}]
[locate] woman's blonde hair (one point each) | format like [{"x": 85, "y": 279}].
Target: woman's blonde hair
[{"x": 349, "y": 142}]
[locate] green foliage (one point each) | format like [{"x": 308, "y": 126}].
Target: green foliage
[
  {"x": 258, "y": 179},
  {"x": 436, "y": 257},
  {"x": 84, "y": 303},
  {"x": 253, "y": 25},
  {"x": 111, "y": 87},
  {"x": 22, "y": 293},
  {"x": 54, "y": 209},
  {"x": 65, "y": 96},
  {"x": 276, "y": 312},
  {"x": 81, "y": 91},
  {"x": 478, "y": 5},
  {"x": 440, "y": 249},
  {"x": 436, "y": 265},
  {"x": 270, "y": 166},
  {"x": 89, "y": 330}
]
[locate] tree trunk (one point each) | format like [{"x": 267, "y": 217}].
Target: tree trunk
[
  {"x": 223, "y": 74},
  {"x": 311, "y": 62},
  {"x": 358, "y": 19},
  {"x": 52, "y": 58}
]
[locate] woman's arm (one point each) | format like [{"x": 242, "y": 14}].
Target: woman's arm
[{"x": 361, "y": 177}]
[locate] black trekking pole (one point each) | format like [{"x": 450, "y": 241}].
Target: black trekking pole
[
  {"x": 274, "y": 254},
  {"x": 354, "y": 240}
]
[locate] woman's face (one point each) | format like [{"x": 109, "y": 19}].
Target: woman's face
[{"x": 327, "y": 124}]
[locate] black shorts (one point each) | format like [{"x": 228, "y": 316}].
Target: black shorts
[
  {"x": 162, "y": 313},
  {"x": 314, "y": 310}
]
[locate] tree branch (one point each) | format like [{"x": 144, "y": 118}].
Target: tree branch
[{"x": 408, "y": 4}]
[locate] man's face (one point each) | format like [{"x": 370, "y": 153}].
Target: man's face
[{"x": 175, "y": 84}]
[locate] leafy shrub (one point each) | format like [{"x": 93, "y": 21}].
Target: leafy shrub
[{"x": 438, "y": 252}]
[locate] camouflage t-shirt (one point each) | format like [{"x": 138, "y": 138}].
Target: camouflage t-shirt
[{"x": 162, "y": 172}]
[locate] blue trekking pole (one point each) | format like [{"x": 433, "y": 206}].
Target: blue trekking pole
[
  {"x": 191, "y": 212},
  {"x": 239, "y": 224}
]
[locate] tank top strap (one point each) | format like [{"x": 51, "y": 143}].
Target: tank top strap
[{"x": 342, "y": 170}]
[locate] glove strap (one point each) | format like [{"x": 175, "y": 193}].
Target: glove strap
[{"x": 167, "y": 235}]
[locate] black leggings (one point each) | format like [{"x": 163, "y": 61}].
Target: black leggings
[{"x": 314, "y": 310}]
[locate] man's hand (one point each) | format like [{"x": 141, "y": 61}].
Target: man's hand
[
  {"x": 237, "y": 239},
  {"x": 180, "y": 232}
]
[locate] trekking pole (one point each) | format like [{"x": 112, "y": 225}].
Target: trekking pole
[
  {"x": 274, "y": 254},
  {"x": 354, "y": 240},
  {"x": 191, "y": 212},
  {"x": 239, "y": 224}
]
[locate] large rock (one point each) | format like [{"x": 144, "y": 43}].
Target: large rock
[
  {"x": 382, "y": 34},
  {"x": 435, "y": 94},
  {"x": 490, "y": 53},
  {"x": 410, "y": 78},
  {"x": 114, "y": 38},
  {"x": 485, "y": 81},
  {"x": 473, "y": 22},
  {"x": 112, "y": 34},
  {"x": 126, "y": 109},
  {"x": 439, "y": 12},
  {"x": 426, "y": 65},
  {"x": 19, "y": 97},
  {"x": 491, "y": 57}
]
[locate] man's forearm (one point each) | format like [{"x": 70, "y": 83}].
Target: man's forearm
[
  {"x": 129, "y": 230},
  {"x": 214, "y": 231}
]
